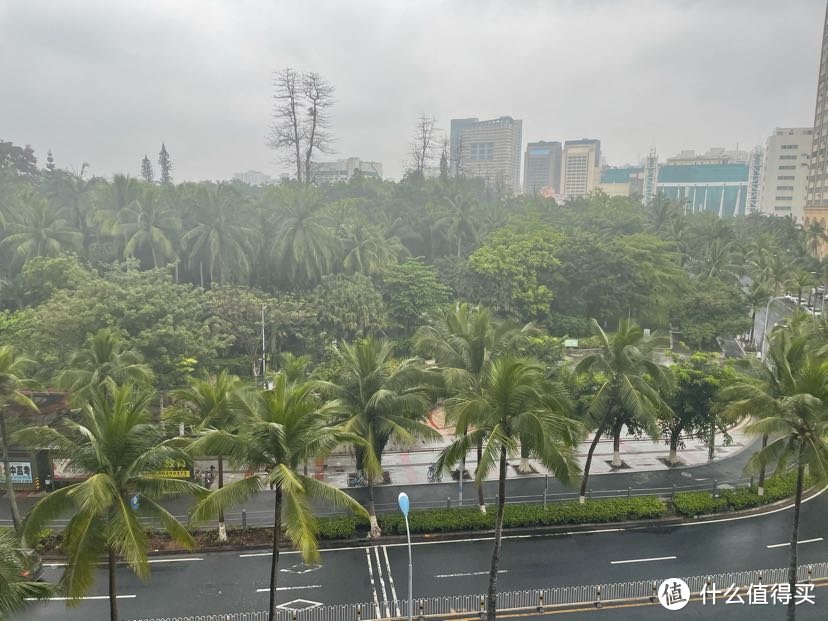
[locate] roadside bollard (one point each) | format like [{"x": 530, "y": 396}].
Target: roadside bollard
[
  {"x": 751, "y": 482},
  {"x": 760, "y": 579},
  {"x": 629, "y": 492},
  {"x": 359, "y": 612},
  {"x": 448, "y": 502},
  {"x": 810, "y": 573},
  {"x": 654, "y": 596},
  {"x": 673, "y": 492},
  {"x": 715, "y": 487},
  {"x": 590, "y": 494},
  {"x": 598, "y": 598},
  {"x": 244, "y": 519},
  {"x": 482, "y": 608},
  {"x": 540, "y": 602}
]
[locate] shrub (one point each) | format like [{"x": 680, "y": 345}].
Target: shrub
[
  {"x": 700, "y": 503},
  {"x": 521, "y": 516},
  {"x": 336, "y": 527}
]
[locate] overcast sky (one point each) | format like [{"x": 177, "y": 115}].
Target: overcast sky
[{"x": 106, "y": 81}]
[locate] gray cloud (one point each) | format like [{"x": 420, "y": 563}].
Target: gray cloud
[{"x": 106, "y": 82}]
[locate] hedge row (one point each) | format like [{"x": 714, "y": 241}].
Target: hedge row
[
  {"x": 517, "y": 516},
  {"x": 777, "y": 487}
]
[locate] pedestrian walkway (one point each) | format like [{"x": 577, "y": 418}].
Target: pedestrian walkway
[{"x": 411, "y": 466}]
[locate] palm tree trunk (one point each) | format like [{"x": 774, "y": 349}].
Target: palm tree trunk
[
  {"x": 585, "y": 479},
  {"x": 761, "y": 489},
  {"x": 154, "y": 257},
  {"x": 752, "y": 324},
  {"x": 222, "y": 533},
  {"x": 616, "y": 446},
  {"x": 113, "y": 589},
  {"x": 274, "y": 559},
  {"x": 372, "y": 513},
  {"x": 800, "y": 475},
  {"x": 481, "y": 501},
  {"x": 524, "y": 467},
  {"x": 16, "y": 519},
  {"x": 491, "y": 605}
]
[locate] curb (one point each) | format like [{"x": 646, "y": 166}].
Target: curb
[{"x": 533, "y": 531}]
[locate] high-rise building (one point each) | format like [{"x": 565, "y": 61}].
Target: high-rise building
[
  {"x": 785, "y": 172},
  {"x": 254, "y": 177},
  {"x": 542, "y": 168},
  {"x": 580, "y": 167},
  {"x": 816, "y": 194},
  {"x": 488, "y": 149},
  {"x": 343, "y": 170}
]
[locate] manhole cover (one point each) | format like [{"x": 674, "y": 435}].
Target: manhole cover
[
  {"x": 299, "y": 604},
  {"x": 300, "y": 568}
]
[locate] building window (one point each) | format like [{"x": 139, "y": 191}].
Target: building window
[
  {"x": 482, "y": 151},
  {"x": 782, "y": 208},
  {"x": 790, "y": 146},
  {"x": 784, "y": 187},
  {"x": 785, "y": 177},
  {"x": 787, "y": 168},
  {"x": 787, "y": 157},
  {"x": 784, "y": 198}
]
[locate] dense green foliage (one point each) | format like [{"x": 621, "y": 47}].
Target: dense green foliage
[{"x": 692, "y": 504}]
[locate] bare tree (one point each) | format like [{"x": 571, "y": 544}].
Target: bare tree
[
  {"x": 422, "y": 147},
  {"x": 457, "y": 157},
  {"x": 318, "y": 94},
  {"x": 286, "y": 129}
]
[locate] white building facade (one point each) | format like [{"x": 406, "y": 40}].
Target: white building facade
[{"x": 785, "y": 172}]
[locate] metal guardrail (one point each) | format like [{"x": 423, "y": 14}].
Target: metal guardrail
[{"x": 529, "y": 600}]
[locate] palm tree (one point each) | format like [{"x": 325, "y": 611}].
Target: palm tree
[
  {"x": 146, "y": 225},
  {"x": 12, "y": 368},
  {"x": 624, "y": 396},
  {"x": 104, "y": 363},
  {"x": 303, "y": 246},
  {"x": 464, "y": 341},
  {"x": 815, "y": 238},
  {"x": 217, "y": 236},
  {"x": 208, "y": 404},
  {"x": 368, "y": 252},
  {"x": 38, "y": 230},
  {"x": 15, "y": 587},
  {"x": 279, "y": 429},
  {"x": 383, "y": 400},
  {"x": 516, "y": 405},
  {"x": 71, "y": 191},
  {"x": 122, "y": 450},
  {"x": 801, "y": 279},
  {"x": 459, "y": 220},
  {"x": 793, "y": 409}
]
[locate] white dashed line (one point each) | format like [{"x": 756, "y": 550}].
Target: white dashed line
[
  {"x": 788, "y": 543},
  {"x": 291, "y": 588},
  {"x": 471, "y": 573},
  {"x": 88, "y": 597},
  {"x": 643, "y": 560}
]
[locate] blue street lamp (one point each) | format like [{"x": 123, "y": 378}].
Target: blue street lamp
[{"x": 402, "y": 500}]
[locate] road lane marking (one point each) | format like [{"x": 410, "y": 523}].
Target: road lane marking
[
  {"x": 643, "y": 560},
  {"x": 373, "y": 586},
  {"x": 471, "y": 573},
  {"x": 88, "y": 597},
  {"x": 391, "y": 581},
  {"x": 787, "y": 544},
  {"x": 175, "y": 560},
  {"x": 291, "y": 588},
  {"x": 385, "y": 603},
  {"x": 252, "y": 554}
]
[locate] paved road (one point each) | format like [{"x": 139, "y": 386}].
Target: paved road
[
  {"x": 779, "y": 310},
  {"x": 259, "y": 509},
  {"x": 229, "y": 581}
]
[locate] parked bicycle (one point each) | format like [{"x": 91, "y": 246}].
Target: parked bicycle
[
  {"x": 356, "y": 479},
  {"x": 433, "y": 474}
]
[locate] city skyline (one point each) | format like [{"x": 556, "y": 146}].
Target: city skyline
[{"x": 684, "y": 92}]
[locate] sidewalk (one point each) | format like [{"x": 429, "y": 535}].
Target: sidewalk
[{"x": 410, "y": 467}]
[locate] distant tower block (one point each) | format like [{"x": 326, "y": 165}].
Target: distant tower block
[
  {"x": 754, "y": 184},
  {"x": 650, "y": 177}
]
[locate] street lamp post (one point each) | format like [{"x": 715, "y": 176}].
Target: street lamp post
[
  {"x": 402, "y": 500},
  {"x": 765, "y": 329}
]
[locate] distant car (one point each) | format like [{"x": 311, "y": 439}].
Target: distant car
[
  {"x": 790, "y": 297},
  {"x": 32, "y": 564}
]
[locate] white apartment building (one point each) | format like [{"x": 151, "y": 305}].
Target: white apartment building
[
  {"x": 488, "y": 149},
  {"x": 785, "y": 172},
  {"x": 254, "y": 177},
  {"x": 343, "y": 170},
  {"x": 580, "y": 167}
]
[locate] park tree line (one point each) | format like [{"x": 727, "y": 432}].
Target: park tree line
[{"x": 377, "y": 300}]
